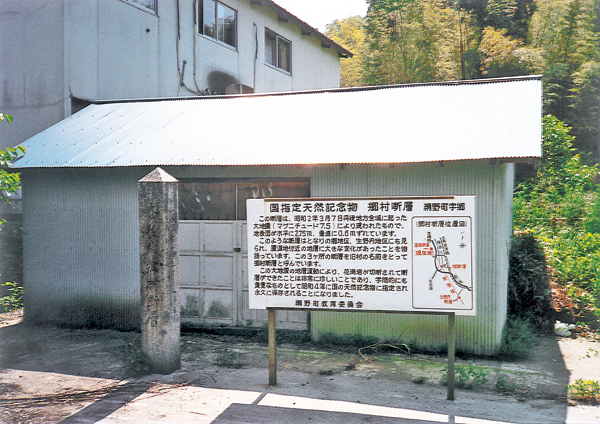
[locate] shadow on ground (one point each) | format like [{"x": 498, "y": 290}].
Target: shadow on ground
[{"x": 53, "y": 375}]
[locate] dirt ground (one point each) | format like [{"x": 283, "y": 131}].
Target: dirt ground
[{"x": 53, "y": 375}]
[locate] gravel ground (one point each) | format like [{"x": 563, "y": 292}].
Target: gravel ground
[{"x": 55, "y": 375}]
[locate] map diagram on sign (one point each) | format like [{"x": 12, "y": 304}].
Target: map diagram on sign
[{"x": 442, "y": 263}]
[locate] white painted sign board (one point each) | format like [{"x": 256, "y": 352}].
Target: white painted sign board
[{"x": 363, "y": 254}]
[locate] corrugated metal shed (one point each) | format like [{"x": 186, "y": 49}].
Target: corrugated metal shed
[{"x": 483, "y": 119}]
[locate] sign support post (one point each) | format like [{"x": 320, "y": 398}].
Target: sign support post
[
  {"x": 272, "y": 348},
  {"x": 451, "y": 354},
  {"x": 393, "y": 254}
]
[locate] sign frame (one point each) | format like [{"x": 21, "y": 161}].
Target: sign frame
[{"x": 444, "y": 253}]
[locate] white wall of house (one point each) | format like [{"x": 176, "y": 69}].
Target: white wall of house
[
  {"x": 53, "y": 50},
  {"x": 32, "y": 71}
]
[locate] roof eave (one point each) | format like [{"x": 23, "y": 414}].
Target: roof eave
[
  {"x": 307, "y": 30},
  {"x": 530, "y": 160}
]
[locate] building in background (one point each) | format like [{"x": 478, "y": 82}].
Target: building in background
[{"x": 57, "y": 56}]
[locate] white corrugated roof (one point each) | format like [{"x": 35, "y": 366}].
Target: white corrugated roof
[{"x": 485, "y": 119}]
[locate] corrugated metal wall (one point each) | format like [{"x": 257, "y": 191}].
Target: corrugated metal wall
[
  {"x": 492, "y": 184},
  {"x": 81, "y": 250}
]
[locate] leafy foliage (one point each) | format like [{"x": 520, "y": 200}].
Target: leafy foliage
[
  {"x": 350, "y": 34},
  {"x": 9, "y": 181},
  {"x": 503, "y": 56},
  {"x": 467, "y": 376},
  {"x": 417, "y": 41},
  {"x": 560, "y": 208},
  {"x": 585, "y": 390},
  {"x": 14, "y": 299},
  {"x": 229, "y": 358}
]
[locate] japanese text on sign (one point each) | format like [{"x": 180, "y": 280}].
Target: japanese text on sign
[{"x": 362, "y": 254}]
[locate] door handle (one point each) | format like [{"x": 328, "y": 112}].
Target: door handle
[{"x": 237, "y": 249}]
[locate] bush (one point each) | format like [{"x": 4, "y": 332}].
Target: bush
[
  {"x": 561, "y": 208},
  {"x": 529, "y": 294}
]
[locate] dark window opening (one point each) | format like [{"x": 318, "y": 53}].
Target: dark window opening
[{"x": 225, "y": 200}]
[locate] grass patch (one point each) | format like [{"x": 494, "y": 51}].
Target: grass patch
[{"x": 229, "y": 358}]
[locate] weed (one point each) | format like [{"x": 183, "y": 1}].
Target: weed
[
  {"x": 518, "y": 340},
  {"x": 466, "y": 376},
  {"x": 504, "y": 386},
  {"x": 14, "y": 299},
  {"x": 419, "y": 380},
  {"x": 137, "y": 364},
  {"x": 228, "y": 358},
  {"x": 585, "y": 390}
]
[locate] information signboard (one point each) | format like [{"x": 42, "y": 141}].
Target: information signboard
[{"x": 363, "y": 254}]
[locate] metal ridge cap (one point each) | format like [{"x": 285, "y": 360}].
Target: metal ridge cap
[{"x": 322, "y": 90}]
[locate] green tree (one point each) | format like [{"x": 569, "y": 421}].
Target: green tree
[
  {"x": 512, "y": 15},
  {"x": 584, "y": 113},
  {"x": 418, "y": 41},
  {"x": 350, "y": 34},
  {"x": 566, "y": 33},
  {"x": 10, "y": 261},
  {"x": 10, "y": 182},
  {"x": 455, "y": 38},
  {"x": 399, "y": 49},
  {"x": 503, "y": 56}
]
